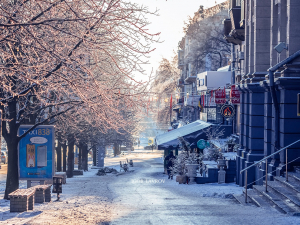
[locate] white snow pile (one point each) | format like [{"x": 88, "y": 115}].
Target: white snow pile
[
  {"x": 218, "y": 195},
  {"x": 212, "y": 190},
  {"x": 105, "y": 170}
]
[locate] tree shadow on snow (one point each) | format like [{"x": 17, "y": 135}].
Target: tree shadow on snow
[{"x": 6, "y": 215}]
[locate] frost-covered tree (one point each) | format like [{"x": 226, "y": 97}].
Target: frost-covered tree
[
  {"x": 163, "y": 87},
  {"x": 208, "y": 50},
  {"x": 64, "y": 56}
]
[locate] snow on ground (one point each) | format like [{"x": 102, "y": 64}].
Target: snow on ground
[{"x": 143, "y": 196}]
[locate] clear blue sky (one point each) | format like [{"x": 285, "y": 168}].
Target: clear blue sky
[{"x": 170, "y": 23}]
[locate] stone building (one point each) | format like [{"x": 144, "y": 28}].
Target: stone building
[
  {"x": 194, "y": 56},
  {"x": 266, "y": 59}
]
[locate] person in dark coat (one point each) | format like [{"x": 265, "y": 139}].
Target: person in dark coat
[{"x": 169, "y": 162}]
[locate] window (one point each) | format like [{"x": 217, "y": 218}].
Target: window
[
  {"x": 242, "y": 10},
  {"x": 234, "y": 3}
]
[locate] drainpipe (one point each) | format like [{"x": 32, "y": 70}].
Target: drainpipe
[
  {"x": 276, "y": 107},
  {"x": 233, "y": 64},
  {"x": 233, "y": 60}
]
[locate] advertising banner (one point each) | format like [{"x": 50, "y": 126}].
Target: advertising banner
[
  {"x": 211, "y": 114},
  {"x": 36, "y": 153}
]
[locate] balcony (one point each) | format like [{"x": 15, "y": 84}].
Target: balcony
[
  {"x": 190, "y": 79},
  {"x": 180, "y": 63},
  {"x": 180, "y": 83},
  {"x": 180, "y": 59},
  {"x": 227, "y": 30},
  {"x": 234, "y": 32},
  {"x": 192, "y": 100}
]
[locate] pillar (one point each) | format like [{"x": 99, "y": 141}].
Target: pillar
[
  {"x": 289, "y": 121},
  {"x": 282, "y": 25},
  {"x": 240, "y": 160},
  {"x": 256, "y": 128},
  {"x": 293, "y": 28},
  {"x": 274, "y": 32},
  {"x": 262, "y": 20}
]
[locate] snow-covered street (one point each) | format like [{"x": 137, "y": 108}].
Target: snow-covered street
[{"x": 142, "y": 196}]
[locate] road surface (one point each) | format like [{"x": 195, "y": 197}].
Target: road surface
[{"x": 143, "y": 196}]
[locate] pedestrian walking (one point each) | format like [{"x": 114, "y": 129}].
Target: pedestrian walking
[
  {"x": 152, "y": 146},
  {"x": 169, "y": 162}
]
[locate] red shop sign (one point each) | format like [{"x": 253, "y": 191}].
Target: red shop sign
[
  {"x": 220, "y": 94},
  {"x": 235, "y": 94},
  {"x": 220, "y": 100},
  {"x": 235, "y": 100}
]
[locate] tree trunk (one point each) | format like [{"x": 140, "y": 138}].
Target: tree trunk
[
  {"x": 12, "y": 179},
  {"x": 94, "y": 155},
  {"x": 116, "y": 150},
  {"x": 11, "y": 138},
  {"x": 70, "y": 157},
  {"x": 64, "y": 146},
  {"x": 85, "y": 157},
  {"x": 58, "y": 151},
  {"x": 80, "y": 156}
]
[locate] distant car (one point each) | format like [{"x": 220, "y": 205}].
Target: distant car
[
  {"x": 123, "y": 148},
  {"x": 4, "y": 158},
  {"x": 148, "y": 147}
]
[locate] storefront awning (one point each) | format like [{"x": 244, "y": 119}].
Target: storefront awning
[{"x": 191, "y": 132}]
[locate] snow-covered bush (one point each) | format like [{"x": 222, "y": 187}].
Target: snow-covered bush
[
  {"x": 213, "y": 154},
  {"x": 185, "y": 157},
  {"x": 213, "y": 133},
  {"x": 179, "y": 163}
]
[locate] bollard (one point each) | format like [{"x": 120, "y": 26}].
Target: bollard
[{"x": 57, "y": 186}]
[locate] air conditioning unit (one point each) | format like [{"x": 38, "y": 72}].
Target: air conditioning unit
[{"x": 241, "y": 55}]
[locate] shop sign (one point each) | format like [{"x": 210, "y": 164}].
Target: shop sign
[
  {"x": 220, "y": 101},
  {"x": 234, "y": 95},
  {"x": 235, "y": 100},
  {"x": 227, "y": 111},
  {"x": 220, "y": 94}
]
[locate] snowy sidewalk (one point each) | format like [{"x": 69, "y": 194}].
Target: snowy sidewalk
[{"x": 144, "y": 196}]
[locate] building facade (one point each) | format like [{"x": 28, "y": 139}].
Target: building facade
[
  {"x": 195, "y": 56},
  {"x": 266, "y": 66}
]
